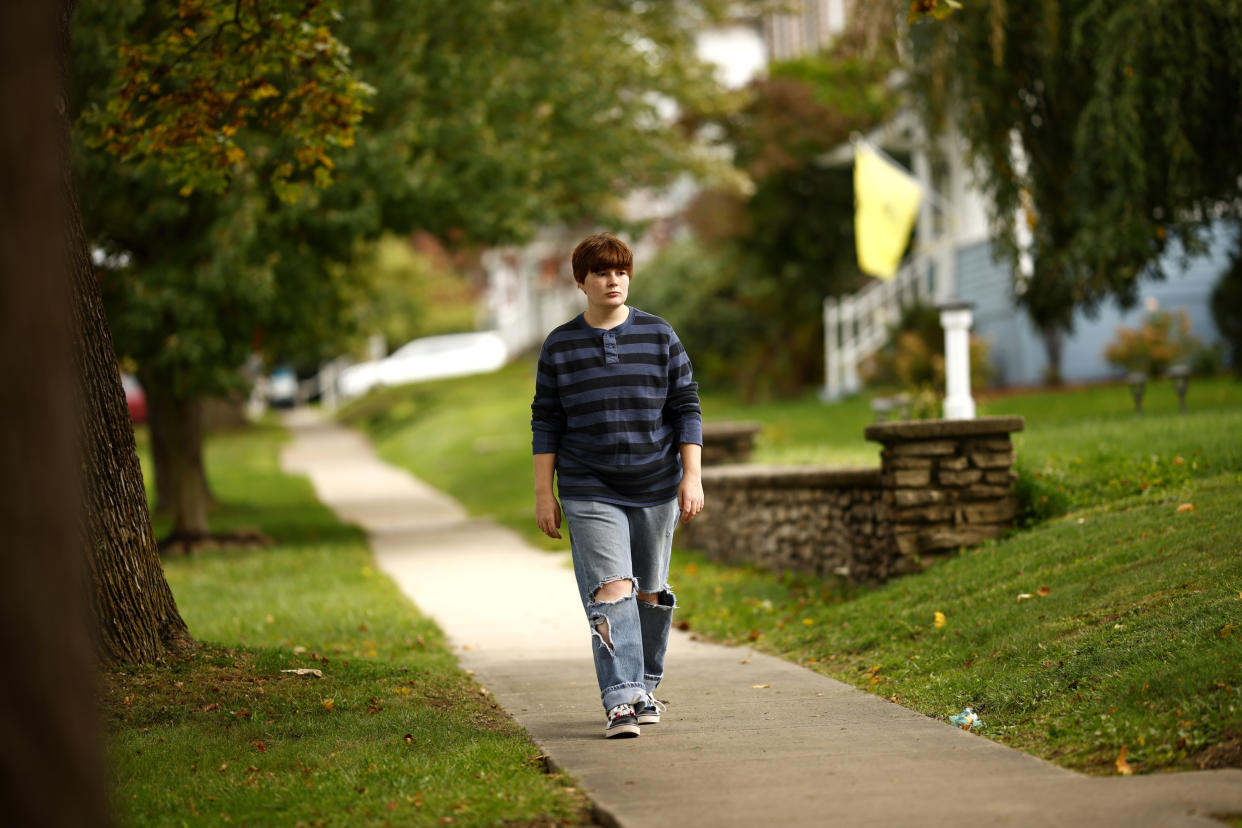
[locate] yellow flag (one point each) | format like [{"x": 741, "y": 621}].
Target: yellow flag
[{"x": 886, "y": 202}]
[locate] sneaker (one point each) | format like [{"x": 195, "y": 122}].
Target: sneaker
[
  {"x": 621, "y": 722},
  {"x": 650, "y": 712}
]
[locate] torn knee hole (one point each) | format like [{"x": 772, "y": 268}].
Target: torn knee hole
[
  {"x": 599, "y": 624},
  {"x": 612, "y": 591},
  {"x": 664, "y": 598}
]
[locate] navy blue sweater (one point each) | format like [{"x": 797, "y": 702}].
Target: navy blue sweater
[{"x": 615, "y": 407}]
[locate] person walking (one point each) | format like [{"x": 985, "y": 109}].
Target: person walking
[{"x": 616, "y": 420}]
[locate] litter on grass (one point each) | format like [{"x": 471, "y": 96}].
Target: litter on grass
[{"x": 966, "y": 720}]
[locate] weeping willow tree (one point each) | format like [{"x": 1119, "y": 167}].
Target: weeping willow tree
[{"x": 1106, "y": 128}]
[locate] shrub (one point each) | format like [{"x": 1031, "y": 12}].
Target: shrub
[
  {"x": 1163, "y": 339},
  {"x": 914, "y": 355}
]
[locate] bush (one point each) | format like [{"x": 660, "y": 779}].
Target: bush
[
  {"x": 914, "y": 355},
  {"x": 1163, "y": 339}
]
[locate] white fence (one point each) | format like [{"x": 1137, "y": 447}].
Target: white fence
[{"x": 856, "y": 326}]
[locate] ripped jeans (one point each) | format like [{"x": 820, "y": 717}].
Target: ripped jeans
[{"x": 629, "y": 637}]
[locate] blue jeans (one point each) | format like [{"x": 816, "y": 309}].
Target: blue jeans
[{"x": 629, "y": 636}]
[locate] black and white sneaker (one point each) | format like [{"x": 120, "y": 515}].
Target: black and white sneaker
[
  {"x": 621, "y": 722},
  {"x": 650, "y": 712}
]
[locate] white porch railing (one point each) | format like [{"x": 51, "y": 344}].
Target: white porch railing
[{"x": 856, "y": 326}]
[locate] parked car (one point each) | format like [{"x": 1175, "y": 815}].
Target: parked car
[
  {"x": 282, "y": 387},
  {"x": 135, "y": 398},
  {"x": 432, "y": 357}
]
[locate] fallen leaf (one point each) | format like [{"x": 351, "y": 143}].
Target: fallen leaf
[
  {"x": 753, "y": 635},
  {"x": 305, "y": 672},
  {"x": 692, "y": 569},
  {"x": 808, "y": 621},
  {"x": 1022, "y": 596},
  {"x": 259, "y": 746},
  {"x": 328, "y": 704},
  {"x": 1123, "y": 767},
  {"x": 270, "y": 619},
  {"x": 409, "y": 738},
  {"x": 1227, "y": 630},
  {"x": 224, "y": 766},
  {"x": 1186, "y": 507},
  {"x": 939, "y": 619},
  {"x": 759, "y": 686},
  {"x": 744, "y": 661},
  {"x": 1042, "y": 591}
]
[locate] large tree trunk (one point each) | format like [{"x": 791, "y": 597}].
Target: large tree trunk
[
  {"x": 51, "y": 768},
  {"x": 137, "y": 618},
  {"x": 177, "y": 428},
  {"x": 1054, "y": 339},
  {"x": 167, "y": 439}
]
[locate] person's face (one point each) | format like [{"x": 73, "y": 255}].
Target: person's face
[{"x": 606, "y": 289}]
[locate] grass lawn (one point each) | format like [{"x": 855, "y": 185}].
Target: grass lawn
[
  {"x": 393, "y": 733},
  {"x": 1133, "y": 633}
]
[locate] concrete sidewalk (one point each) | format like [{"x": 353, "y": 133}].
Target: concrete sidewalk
[{"x": 732, "y": 750}]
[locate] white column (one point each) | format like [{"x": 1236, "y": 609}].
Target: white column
[
  {"x": 832, "y": 382},
  {"x": 955, "y": 318}
]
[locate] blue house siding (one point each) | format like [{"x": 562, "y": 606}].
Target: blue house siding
[{"x": 1016, "y": 350}]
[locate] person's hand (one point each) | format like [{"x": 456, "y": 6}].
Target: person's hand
[
  {"x": 548, "y": 515},
  {"x": 690, "y": 497}
]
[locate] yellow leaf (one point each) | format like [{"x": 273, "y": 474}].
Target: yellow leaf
[
  {"x": 264, "y": 91},
  {"x": 759, "y": 686},
  {"x": 328, "y": 704},
  {"x": 940, "y": 620},
  {"x": 1186, "y": 507},
  {"x": 808, "y": 621},
  {"x": 1123, "y": 767},
  {"x": 186, "y": 190}
]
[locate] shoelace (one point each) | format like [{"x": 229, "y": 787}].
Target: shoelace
[
  {"x": 660, "y": 706},
  {"x": 620, "y": 710}
]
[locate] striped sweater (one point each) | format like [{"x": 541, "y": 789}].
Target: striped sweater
[{"x": 615, "y": 407}]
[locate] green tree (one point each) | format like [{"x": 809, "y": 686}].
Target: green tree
[
  {"x": 488, "y": 119},
  {"x": 781, "y": 245},
  {"x": 1107, "y": 128}
]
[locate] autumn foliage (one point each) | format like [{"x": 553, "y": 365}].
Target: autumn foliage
[{"x": 211, "y": 86}]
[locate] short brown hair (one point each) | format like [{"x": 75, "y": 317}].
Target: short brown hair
[{"x": 601, "y": 252}]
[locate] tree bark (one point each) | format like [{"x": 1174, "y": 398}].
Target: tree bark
[
  {"x": 171, "y": 423},
  {"x": 1053, "y": 339},
  {"x": 51, "y": 767},
  {"x": 177, "y": 428},
  {"x": 136, "y": 617}
]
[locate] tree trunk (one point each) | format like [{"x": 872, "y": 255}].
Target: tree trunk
[
  {"x": 166, "y": 445},
  {"x": 1054, "y": 339},
  {"x": 137, "y": 618},
  {"x": 51, "y": 767},
  {"x": 177, "y": 427}
]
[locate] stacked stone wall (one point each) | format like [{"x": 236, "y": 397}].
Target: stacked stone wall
[{"x": 942, "y": 484}]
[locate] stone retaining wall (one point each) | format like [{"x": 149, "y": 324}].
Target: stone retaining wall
[
  {"x": 941, "y": 484},
  {"x": 725, "y": 442}
]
